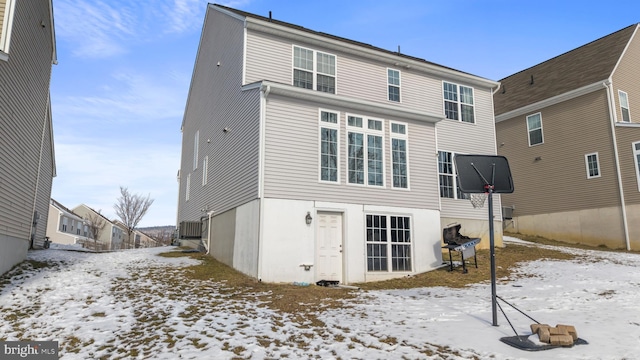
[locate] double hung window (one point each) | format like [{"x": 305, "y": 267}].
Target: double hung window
[
  {"x": 314, "y": 70},
  {"x": 393, "y": 81},
  {"x": 593, "y": 165},
  {"x": 624, "y": 105},
  {"x": 447, "y": 177},
  {"x": 534, "y": 128},
  {"x": 636, "y": 156},
  {"x": 399, "y": 155},
  {"x": 205, "y": 170},
  {"x": 365, "y": 151},
  {"x": 6, "y": 23},
  {"x": 329, "y": 126},
  {"x": 388, "y": 243},
  {"x": 458, "y": 102}
]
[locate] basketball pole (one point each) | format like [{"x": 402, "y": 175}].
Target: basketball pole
[{"x": 493, "y": 256}]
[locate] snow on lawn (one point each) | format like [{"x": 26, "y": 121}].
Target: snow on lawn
[{"x": 113, "y": 305}]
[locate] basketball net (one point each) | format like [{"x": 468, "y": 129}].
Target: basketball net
[{"x": 477, "y": 200}]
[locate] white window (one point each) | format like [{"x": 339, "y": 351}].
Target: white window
[
  {"x": 196, "y": 144},
  {"x": 309, "y": 74},
  {"x": 365, "y": 151},
  {"x": 593, "y": 165},
  {"x": 388, "y": 243},
  {"x": 6, "y": 24},
  {"x": 393, "y": 82},
  {"x": 534, "y": 129},
  {"x": 205, "y": 170},
  {"x": 329, "y": 145},
  {"x": 448, "y": 179},
  {"x": 65, "y": 223},
  {"x": 624, "y": 105},
  {"x": 188, "y": 189},
  {"x": 636, "y": 156},
  {"x": 399, "y": 155},
  {"x": 458, "y": 102}
]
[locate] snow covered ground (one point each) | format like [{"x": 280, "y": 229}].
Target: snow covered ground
[{"x": 93, "y": 305}]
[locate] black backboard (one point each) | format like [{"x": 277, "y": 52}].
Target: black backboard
[{"x": 476, "y": 171}]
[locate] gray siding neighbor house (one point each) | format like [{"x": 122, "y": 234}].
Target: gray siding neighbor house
[
  {"x": 27, "y": 52},
  {"x": 570, "y": 127},
  {"x": 308, "y": 157}
]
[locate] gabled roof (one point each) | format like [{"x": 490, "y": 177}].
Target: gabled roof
[
  {"x": 575, "y": 69},
  {"x": 64, "y": 208}
]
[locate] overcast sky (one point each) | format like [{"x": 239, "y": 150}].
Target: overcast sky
[{"x": 124, "y": 67}]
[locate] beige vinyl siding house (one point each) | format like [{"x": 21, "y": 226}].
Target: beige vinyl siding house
[
  {"x": 66, "y": 227},
  {"x": 111, "y": 237},
  {"x": 27, "y": 52},
  {"x": 570, "y": 142},
  {"x": 310, "y": 157}
]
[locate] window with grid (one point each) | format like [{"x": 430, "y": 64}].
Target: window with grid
[
  {"x": 393, "y": 82},
  {"x": 329, "y": 146},
  {"x": 534, "y": 128},
  {"x": 365, "y": 145},
  {"x": 624, "y": 105},
  {"x": 309, "y": 74},
  {"x": 386, "y": 235},
  {"x": 399, "y": 155},
  {"x": 458, "y": 102},
  {"x": 593, "y": 165},
  {"x": 447, "y": 178}
]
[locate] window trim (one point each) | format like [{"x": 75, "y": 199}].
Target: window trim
[
  {"x": 454, "y": 175},
  {"x": 365, "y": 131},
  {"x": 196, "y": 145},
  {"x": 205, "y": 170},
  {"x": 626, "y": 100},
  {"x": 389, "y": 244},
  {"x": 529, "y": 129},
  {"x": 459, "y": 102},
  {"x": 336, "y": 126},
  {"x": 635, "y": 147},
  {"x": 315, "y": 71},
  {"x": 586, "y": 162},
  {"x": 405, "y": 137},
  {"x": 7, "y": 26},
  {"x": 399, "y": 86}
]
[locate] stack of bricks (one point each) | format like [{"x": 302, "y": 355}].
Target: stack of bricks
[{"x": 562, "y": 335}]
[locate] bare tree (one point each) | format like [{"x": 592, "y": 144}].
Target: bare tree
[
  {"x": 131, "y": 208},
  {"x": 95, "y": 224}
]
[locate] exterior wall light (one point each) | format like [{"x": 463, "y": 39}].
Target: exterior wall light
[{"x": 308, "y": 218}]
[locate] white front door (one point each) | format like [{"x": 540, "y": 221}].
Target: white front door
[{"x": 329, "y": 246}]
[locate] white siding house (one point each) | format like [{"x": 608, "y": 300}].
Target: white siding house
[
  {"x": 310, "y": 157},
  {"x": 27, "y": 52}
]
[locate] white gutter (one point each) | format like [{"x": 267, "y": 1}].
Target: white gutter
[{"x": 613, "y": 120}]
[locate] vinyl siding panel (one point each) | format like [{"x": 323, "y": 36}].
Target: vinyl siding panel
[
  {"x": 216, "y": 102},
  {"x": 271, "y": 58},
  {"x": 466, "y": 138},
  {"x": 45, "y": 180},
  {"x": 558, "y": 182},
  {"x": 292, "y": 160},
  {"x": 626, "y": 137},
  {"x": 24, "y": 90},
  {"x": 626, "y": 77}
]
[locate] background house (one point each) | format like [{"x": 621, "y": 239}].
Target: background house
[
  {"x": 111, "y": 237},
  {"x": 307, "y": 156},
  {"x": 572, "y": 137},
  {"x": 27, "y": 52},
  {"x": 66, "y": 227}
]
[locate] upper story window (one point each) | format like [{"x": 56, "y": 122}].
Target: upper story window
[
  {"x": 6, "y": 21},
  {"x": 393, "y": 81},
  {"x": 205, "y": 170},
  {"x": 534, "y": 129},
  {"x": 624, "y": 105},
  {"x": 458, "y": 102},
  {"x": 399, "y": 156},
  {"x": 65, "y": 223},
  {"x": 447, "y": 177},
  {"x": 593, "y": 165},
  {"x": 196, "y": 141},
  {"x": 188, "y": 188},
  {"x": 365, "y": 145},
  {"x": 329, "y": 145},
  {"x": 314, "y": 70}
]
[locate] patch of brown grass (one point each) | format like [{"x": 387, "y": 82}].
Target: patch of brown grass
[{"x": 545, "y": 241}]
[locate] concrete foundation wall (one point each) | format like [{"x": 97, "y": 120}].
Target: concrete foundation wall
[{"x": 477, "y": 229}]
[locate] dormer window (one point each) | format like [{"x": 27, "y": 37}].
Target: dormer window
[{"x": 314, "y": 70}]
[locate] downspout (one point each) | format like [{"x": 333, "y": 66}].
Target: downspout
[
  {"x": 264, "y": 92},
  {"x": 613, "y": 119},
  {"x": 34, "y": 224},
  {"x": 209, "y": 214}
]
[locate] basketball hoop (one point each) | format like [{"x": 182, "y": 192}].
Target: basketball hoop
[{"x": 477, "y": 200}]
